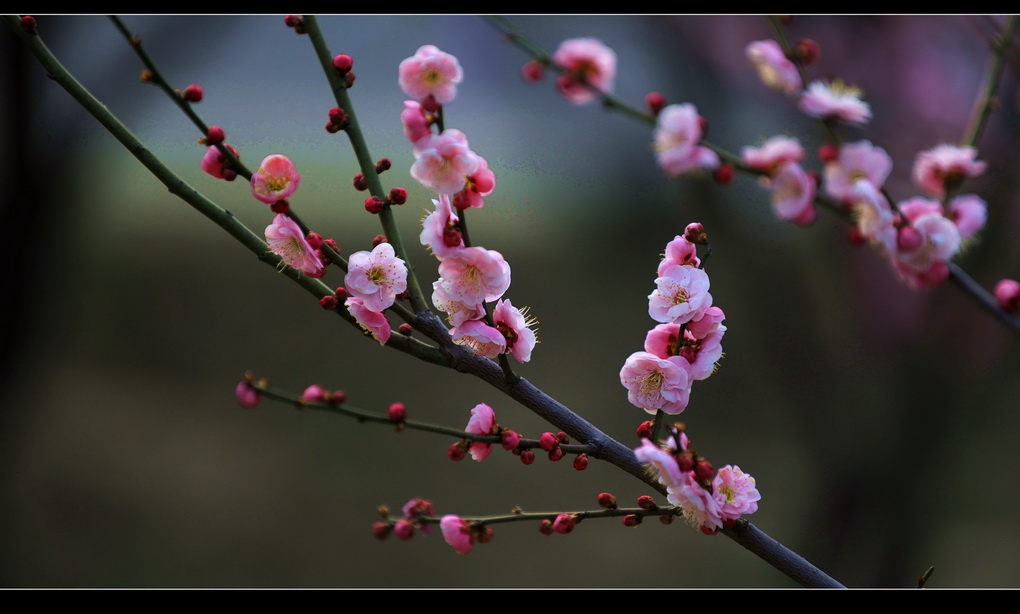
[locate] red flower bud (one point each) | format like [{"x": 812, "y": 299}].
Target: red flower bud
[
  {"x": 655, "y": 102},
  {"x": 383, "y": 165},
  {"x": 280, "y": 206},
  {"x": 28, "y": 24},
  {"x": 703, "y": 470},
  {"x": 545, "y": 527},
  {"x": 646, "y": 503},
  {"x": 562, "y": 437},
  {"x": 1007, "y": 292},
  {"x": 533, "y": 71},
  {"x": 607, "y": 500},
  {"x": 314, "y": 240},
  {"x": 360, "y": 184},
  {"x": 215, "y": 135},
  {"x": 724, "y": 174},
  {"x": 645, "y": 430},
  {"x": 581, "y": 462},
  {"x": 527, "y": 457},
  {"x": 548, "y": 442},
  {"x": 828, "y": 152},
  {"x": 630, "y": 520},
  {"x": 349, "y": 80},
  {"x": 457, "y": 451},
  {"x": 397, "y": 412},
  {"x": 398, "y": 196},
  {"x": 403, "y": 530},
  {"x": 405, "y": 329},
  {"x": 374, "y": 204},
  {"x": 381, "y": 530},
  {"x": 328, "y": 303},
  {"x": 192, "y": 93},
  {"x": 343, "y": 63},
  {"x": 806, "y": 51},
  {"x": 511, "y": 440},
  {"x": 564, "y": 524},
  {"x": 430, "y": 104},
  {"x": 556, "y": 454}
]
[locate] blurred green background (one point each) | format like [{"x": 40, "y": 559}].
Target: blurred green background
[{"x": 880, "y": 423}]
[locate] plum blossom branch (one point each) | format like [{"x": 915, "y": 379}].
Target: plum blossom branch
[
  {"x": 462, "y": 359},
  {"x": 364, "y": 157},
  {"x": 521, "y": 516}
]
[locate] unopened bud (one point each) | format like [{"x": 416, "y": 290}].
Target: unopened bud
[
  {"x": 314, "y": 239},
  {"x": 349, "y": 80},
  {"x": 215, "y": 136},
  {"x": 457, "y": 451},
  {"x": 381, "y": 530},
  {"x": 556, "y": 454},
  {"x": 511, "y": 440},
  {"x": 828, "y": 152},
  {"x": 342, "y": 63},
  {"x": 374, "y": 204},
  {"x": 341, "y": 293},
  {"x": 545, "y": 527},
  {"x": 607, "y": 500},
  {"x": 646, "y": 503},
  {"x": 564, "y": 524},
  {"x": 562, "y": 437},
  {"x": 296, "y": 22},
  {"x": 146, "y": 76},
  {"x": 483, "y": 535},
  {"x": 703, "y": 469},
  {"x": 384, "y": 164},
  {"x": 430, "y": 104},
  {"x": 631, "y": 520},
  {"x": 548, "y": 442},
  {"x": 314, "y": 394},
  {"x": 403, "y": 530},
  {"x": 723, "y": 175},
  {"x": 908, "y": 239},
  {"x": 192, "y": 93},
  {"x": 405, "y": 329},
  {"x": 581, "y": 462},
  {"x": 28, "y": 24},
  {"x": 645, "y": 430},
  {"x": 360, "y": 183},
  {"x": 398, "y": 196},
  {"x": 338, "y": 117},
  {"x": 1007, "y": 292},
  {"x": 280, "y": 206},
  {"x": 655, "y": 102},
  {"x": 806, "y": 51},
  {"x": 338, "y": 397},
  {"x": 527, "y": 457},
  {"x": 695, "y": 233},
  {"x": 328, "y": 303},
  {"x": 533, "y": 71},
  {"x": 378, "y": 240},
  {"x": 397, "y": 412},
  {"x": 685, "y": 462}
]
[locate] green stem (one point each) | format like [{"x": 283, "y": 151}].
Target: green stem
[
  {"x": 521, "y": 516},
  {"x": 157, "y": 76},
  {"x": 364, "y": 156},
  {"x": 221, "y": 217},
  {"x": 987, "y": 101}
]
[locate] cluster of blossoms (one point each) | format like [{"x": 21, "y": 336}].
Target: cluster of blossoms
[
  {"x": 709, "y": 500},
  {"x": 688, "y": 342},
  {"x": 919, "y": 235},
  {"x": 469, "y": 276},
  {"x": 457, "y": 532}
]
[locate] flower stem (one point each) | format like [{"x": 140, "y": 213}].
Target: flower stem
[
  {"x": 987, "y": 101},
  {"x": 522, "y": 516},
  {"x": 364, "y": 157}
]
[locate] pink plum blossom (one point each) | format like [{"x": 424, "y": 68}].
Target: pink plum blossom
[
  {"x": 970, "y": 214},
  {"x": 288, "y": 242},
  {"x": 735, "y": 493},
  {"x": 793, "y": 194},
  {"x": 483, "y": 339},
  {"x": 940, "y": 241},
  {"x": 679, "y": 251},
  {"x": 835, "y": 100},
  {"x": 667, "y": 470},
  {"x": 376, "y": 277},
  {"x": 275, "y": 180},
  {"x": 934, "y": 167},
  {"x": 860, "y": 160},
  {"x": 370, "y": 321},
  {"x": 774, "y": 68},
  {"x": 457, "y": 312},
  {"x": 473, "y": 275},
  {"x": 875, "y": 219},
  {"x": 443, "y": 162},
  {"x": 515, "y": 325},
  {"x": 655, "y": 383},
  {"x": 482, "y": 422},
  {"x": 430, "y": 71},
  {"x": 700, "y": 509},
  {"x": 681, "y": 295},
  {"x": 589, "y": 62},
  {"x": 773, "y": 153},
  {"x": 214, "y": 163},
  {"x": 677, "y": 141},
  {"x": 478, "y": 186},
  {"x": 416, "y": 123},
  {"x": 701, "y": 345},
  {"x": 457, "y": 533},
  {"x": 439, "y": 229}
]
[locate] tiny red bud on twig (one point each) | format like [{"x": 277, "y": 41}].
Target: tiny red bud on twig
[
  {"x": 192, "y": 93},
  {"x": 511, "y": 440},
  {"x": 381, "y": 530},
  {"x": 607, "y": 500},
  {"x": 397, "y": 412},
  {"x": 343, "y": 63},
  {"x": 655, "y": 102},
  {"x": 556, "y": 454},
  {"x": 631, "y": 520},
  {"x": 806, "y": 51},
  {"x": 360, "y": 183},
  {"x": 548, "y": 442},
  {"x": 398, "y": 196},
  {"x": 28, "y": 24},
  {"x": 581, "y": 462},
  {"x": 403, "y": 530},
  {"x": 405, "y": 329},
  {"x": 527, "y": 457},
  {"x": 374, "y": 204},
  {"x": 703, "y": 469},
  {"x": 215, "y": 136},
  {"x": 723, "y": 175},
  {"x": 280, "y": 206},
  {"x": 545, "y": 527},
  {"x": 383, "y": 165},
  {"x": 645, "y": 430},
  {"x": 314, "y": 240},
  {"x": 457, "y": 451},
  {"x": 646, "y": 503},
  {"x": 328, "y": 303},
  {"x": 349, "y": 80},
  {"x": 533, "y": 71}
]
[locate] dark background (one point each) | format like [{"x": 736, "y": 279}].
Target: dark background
[{"x": 881, "y": 423}]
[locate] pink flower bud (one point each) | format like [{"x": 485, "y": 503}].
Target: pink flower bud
[
  {"x": 908, "y": 239},
  {"x": 695, "y": 233},
  {"x": 655, "y": 102},
  {"x": 545, "y": 527},
  {"x": 314, "y": 394},
  {"x": 338, "y": 118},
  {"x": 533, "y": 71},
  {"x": 703, "y": 469},
  {"x": 1007, "y": 292},
  {"x": 556, "y": 454},
  {"x": 645, "y": 430},
  {"x": 314, "y": 239},
  {"x": 631, "y": 520},
  {"x": 341, "y": 293},
  {"x": 28, "y": 24},
  {"x": 403, "y": 530},
  {"x": 564, "y": 524},
  {"x": 215, "y": 135},
  {"x": 383, "y": 165},
  {"x": 548, "y": 442},
  {"x": 398, "y": 196},
  {"x": 607, "y": 500},
  {"x": 581, "y": 462},
  {"x": 381, "y": 530},
  {"x": 293, "y": 21},
  {"x": 360, "y": 184},
  {"x": 685, "y": 463},
  {"x": 192, "y": 93},
  {"x": 378, "y": 240},
  {"x": 457, "y": 451},
  {"x": 527, "y": 457},
  {"x": 646, "y": 503},
  {"x": 374, "y": 204},
  {"x": 511, "y": 440},
  {"x": 405, "y": 329},
  {"x": 328, "y": 303},
  {"x": 343, "y": 63},
  {"x": 246, "y": 395},
  {"x": 331, "y": 243},
  {"x": 397, "y": 412}
]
